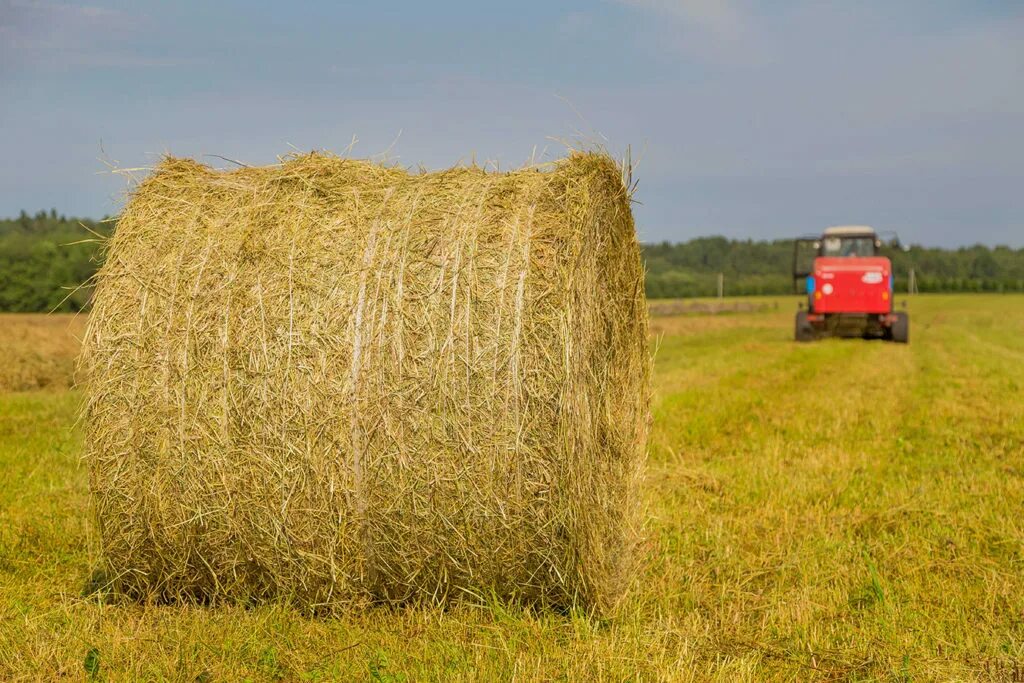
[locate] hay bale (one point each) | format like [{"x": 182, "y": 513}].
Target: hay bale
[{"x": 331, "y": 381}]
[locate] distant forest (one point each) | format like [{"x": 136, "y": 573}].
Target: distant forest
[
  {"x": 749, "y": 268},
  {"x": 44, "y": 257}
]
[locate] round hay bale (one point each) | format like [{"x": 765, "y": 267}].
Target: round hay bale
[{"x": 329, "y": 381}]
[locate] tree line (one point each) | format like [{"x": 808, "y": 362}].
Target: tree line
[
  {"x": 46, "y": 257},
  {"x": 690, "y": 269}
]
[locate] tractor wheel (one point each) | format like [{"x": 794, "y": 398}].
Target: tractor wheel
[
  {"x": 804, "y": 331},
  {"x": 900, "y": 330}
]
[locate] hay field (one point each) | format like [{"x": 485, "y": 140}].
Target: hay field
[
  {"x": 838, "y": 511},
  {"x": 38, "y": 351}
]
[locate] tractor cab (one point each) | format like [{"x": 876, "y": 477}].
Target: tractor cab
[{"x": 849, "y": 286}]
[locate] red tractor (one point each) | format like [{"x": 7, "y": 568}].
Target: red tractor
[{"x": 849, "y": 287}]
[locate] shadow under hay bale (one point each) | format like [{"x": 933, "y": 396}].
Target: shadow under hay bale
[{"x": 331, "y": 382}]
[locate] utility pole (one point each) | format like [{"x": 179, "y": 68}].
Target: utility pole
[
  {"x": 911, "y": 283},
  {"x": 721, "y": 285}
]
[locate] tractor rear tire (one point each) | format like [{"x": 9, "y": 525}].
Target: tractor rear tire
[
  {"x": 900, "y": 330},
  {"x": 804, "y": 332}
]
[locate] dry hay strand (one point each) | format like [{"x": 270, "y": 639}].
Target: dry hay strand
[{"x": 334, "y": 382}]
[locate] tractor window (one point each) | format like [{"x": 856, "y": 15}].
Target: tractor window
[{"x": 848, "y": 246}]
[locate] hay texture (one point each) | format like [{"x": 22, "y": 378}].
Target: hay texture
[{"x": 330, "y": 381}]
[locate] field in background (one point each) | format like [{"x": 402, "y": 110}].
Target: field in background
[
  {"x": 844, "y": 510},
  {"x": 38, "y": 351}
]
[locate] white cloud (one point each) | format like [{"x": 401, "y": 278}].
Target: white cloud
[
  {"x": 721, "y": 19},
  {"x": 55, "y": 35},
  {"x": 713, "y": 31},
  {"x": 44, "y": 23}
]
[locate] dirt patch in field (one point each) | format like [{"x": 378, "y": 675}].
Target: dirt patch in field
[{"x": 39, "y": 350}]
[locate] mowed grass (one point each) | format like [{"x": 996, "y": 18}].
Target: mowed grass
[{"x": 845, "y": 510}]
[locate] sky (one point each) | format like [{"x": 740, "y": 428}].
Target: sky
[{"x": 758, "y": 120}]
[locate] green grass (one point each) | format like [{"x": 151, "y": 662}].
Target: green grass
[{"x": 845, "y": 510}]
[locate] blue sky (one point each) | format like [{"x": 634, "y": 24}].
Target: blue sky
[{"x": 749, "y": 119}]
